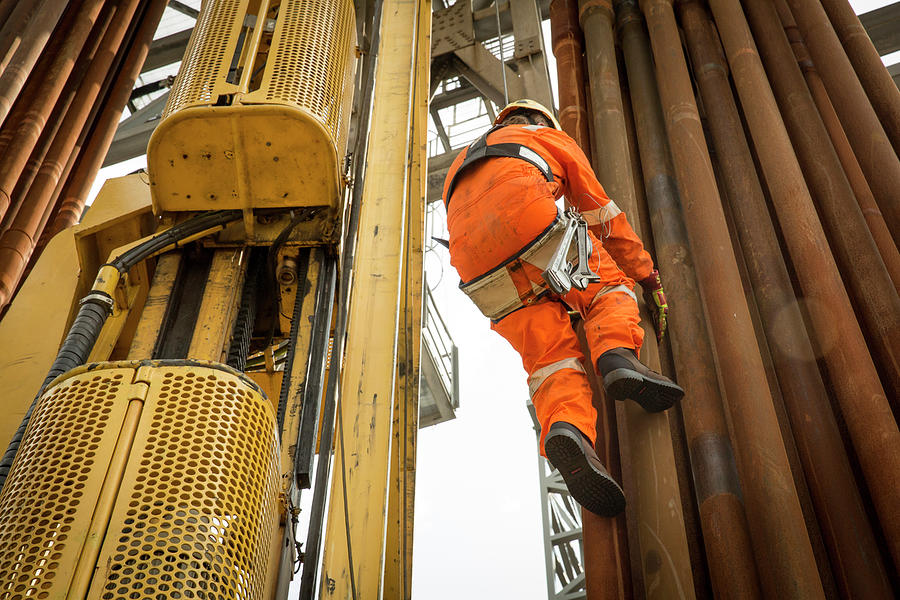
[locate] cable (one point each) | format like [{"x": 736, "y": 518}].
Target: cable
[
  {"x": 95, "y": 309},
  {"x": 346, "y": 505}
]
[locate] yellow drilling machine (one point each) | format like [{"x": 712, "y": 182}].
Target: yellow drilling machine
[{"x": 175, "y": 362}]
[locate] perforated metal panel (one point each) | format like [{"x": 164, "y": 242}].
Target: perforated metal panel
[
  {"x": 207, "y": 59},
  {"x": 309, "y": 63},
  {"x": 281, "y": 144},
  {"x": 197, "y": 509},
  {"x": 49, "y": 497}
]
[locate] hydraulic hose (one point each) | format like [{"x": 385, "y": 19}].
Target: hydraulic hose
[{"x": 98, "y": 305}]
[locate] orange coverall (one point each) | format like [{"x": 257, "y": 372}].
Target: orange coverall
[{"x": 501, "y": 204}]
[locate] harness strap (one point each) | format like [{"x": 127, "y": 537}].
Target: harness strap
[{"x": 480, "y": 149}]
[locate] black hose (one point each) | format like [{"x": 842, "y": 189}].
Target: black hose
[
  {"x": 75, "y": 351},
  {"x": 96, "y": 308}
]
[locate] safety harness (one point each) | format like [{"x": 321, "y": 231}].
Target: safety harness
[
  {"x": 480, "y": 149},
  {"x": 555, "y": 261}
]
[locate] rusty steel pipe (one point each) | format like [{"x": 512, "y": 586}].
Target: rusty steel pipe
[
  {"x": 607, "y": 574},
  {"x": 610, "y": 150},
  {"x": 868, "y": 282},
  {"x": 848, "y": 535},
  {"x": 13, "y": 27},
  {"x": 6, "y": 8},
  {"x": 873, "y": 149},
  {"x": 568, "y": 48},
  {"x": 654, "y": 527},
  {"x": 874, "y": 219},
  {"x": 61, "y": 112},
  {"x": 874, "y": 77},
  {"x": 18, "y": 241},
  {"x": 606, "y": 540},
  {"x": 33, "y": 38},
  {"x": 82, "y": 178},
  {"x": 865, "y": 407},
  {"x": 780, "y": 542},
  {"x": 722, "y": 517},
  {"x": 40, "y": 72},
  {"x": 28, "y": 131}
]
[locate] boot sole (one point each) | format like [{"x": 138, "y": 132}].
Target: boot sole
[
  {"x": 595, "y": 491},
  {"x": 652, "y": 394}
]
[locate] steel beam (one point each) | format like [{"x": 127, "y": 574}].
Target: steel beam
[
  {"x": 882, "y": 27},
  {"x": 356, "y": 527},
  {"x": 167, "y": 50}
]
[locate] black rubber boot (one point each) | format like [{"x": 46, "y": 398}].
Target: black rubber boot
[
  {"x": 587, "y": 479},
  {"x": 624, "y": 377}
]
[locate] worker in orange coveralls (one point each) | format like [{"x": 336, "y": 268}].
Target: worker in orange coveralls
[{"x": 500, "y": 195}]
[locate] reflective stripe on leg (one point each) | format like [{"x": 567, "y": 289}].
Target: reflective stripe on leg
[
  {"x": 615, "y": 288},
  {"x": 540, "y": 376}
]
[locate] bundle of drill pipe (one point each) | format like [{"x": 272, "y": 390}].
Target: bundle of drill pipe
[
  {"x": 754, "y": 144},
  {"x": 67, "y": 69}
]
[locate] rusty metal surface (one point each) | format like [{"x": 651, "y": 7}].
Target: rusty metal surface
[
  {"x": 731, "y": 557},
  {"x": 607, "y": 570},
  {"x": 610, "y": 142},
  {"x": 28, "y": 130},
  {"x": 22, "y": 40},
  {"x": 861, "y": 190},
  {"x": 568, "y": 48},
  {"x": 71, "y": 204},
  {"x": 868, "y": 282},
  {"x": 865, "y": 408},
  {"x": 846, "y": 530},
  {"x": 870, "y": 143},
  {"x": 781, "y": 544},
  {"x": 874, "y": 77}
]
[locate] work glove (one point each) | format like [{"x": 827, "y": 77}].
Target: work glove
[{"x": 655, "y": 297}]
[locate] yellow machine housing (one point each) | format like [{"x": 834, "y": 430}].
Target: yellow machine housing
[
  {"x": 143, "y": 479},
  {"x": 259, "y": 114}
]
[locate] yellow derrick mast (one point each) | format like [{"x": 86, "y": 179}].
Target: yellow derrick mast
[{"x": 165, "y": 452}]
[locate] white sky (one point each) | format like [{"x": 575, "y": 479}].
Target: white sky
[{"x": 478, "y": 522}]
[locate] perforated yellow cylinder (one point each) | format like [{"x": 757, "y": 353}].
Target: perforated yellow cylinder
[
  {"x": 277, "y": 139},
  {"x": 194, "y": 509}
]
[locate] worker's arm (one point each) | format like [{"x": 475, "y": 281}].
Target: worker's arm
[{"x": 604, "y": 218}]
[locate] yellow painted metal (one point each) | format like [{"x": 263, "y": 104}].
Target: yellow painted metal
[
  {"x": 154, "y": 312},
  {"x": 199, "y": 493},
  {"x": 48, "y": 299},
  {"x": 367, "y": 381},
  {"x": 218, "y": 309},
  {"x": 143, "y": 479},
  {"x": 87, "y": 562},
  {"x": 222, "y": 145},
  {"x": 269, "y": 382},
  {"x": 401, "y": 493},
  {"x": 298, "y": 375},
  {"x": 47, "y": 503}
]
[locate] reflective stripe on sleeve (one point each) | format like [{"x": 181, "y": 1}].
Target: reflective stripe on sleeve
[
  {"x": 602, "y": 215},
  {"x": 536, "y": 379},
  {"x": 610, "y": 289}
]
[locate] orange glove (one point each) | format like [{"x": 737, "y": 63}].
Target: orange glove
[{"x": 655, "y": 297}]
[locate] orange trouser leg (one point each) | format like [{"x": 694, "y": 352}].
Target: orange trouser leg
[
  {"x": 542, "y": 335},
  {"x": 609, "y": 308}
]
